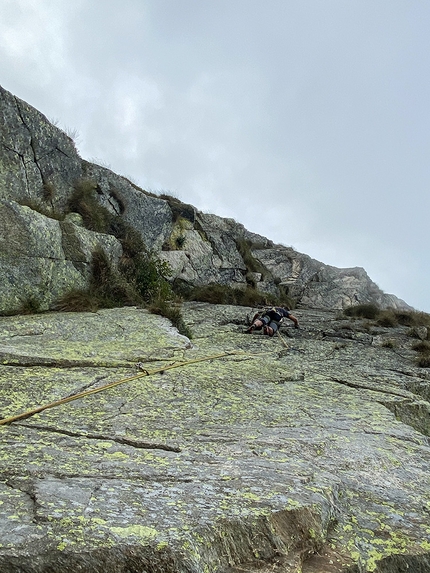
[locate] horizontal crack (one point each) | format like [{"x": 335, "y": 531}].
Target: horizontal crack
[
  {"x": 99, "y": 477},
  {"x": 406, "y": 395},
  {"x": 8, "y": 359},
  {"x": 401, "y": 438},
  {"x": 119, "y": 440},
  {"x": 32, "y": 333}
]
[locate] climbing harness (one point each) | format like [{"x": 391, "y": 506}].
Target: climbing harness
[{"x": 113, "y": 384}]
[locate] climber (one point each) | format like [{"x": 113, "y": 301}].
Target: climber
[{"x": 270, "y": 319}]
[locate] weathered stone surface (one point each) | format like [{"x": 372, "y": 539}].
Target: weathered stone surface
[
  {"x": 222, "y": 233},
  {"x": 148, "y": 215},
  {"x": 43, "y": 258},
  {"x": 317, "y": 285},
  {"x": 209, "y": 253},
  {"x": 34, "y": 152},
  {"x": 304, "y": 454},
  {"x": 40, "y": 167}
]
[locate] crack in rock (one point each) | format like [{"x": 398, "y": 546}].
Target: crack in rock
[
  {"x": 139, "y": 444},
  {"x": 31, "y": 138},
  {"x": 30, "y": 493},
  {"x": 358, "y": 386}
]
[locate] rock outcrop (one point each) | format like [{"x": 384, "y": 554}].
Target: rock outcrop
[
  {"x": 45, "y": 250},
  {"x": 237, "y": 453},
  {"x": 306, "y": 453}
]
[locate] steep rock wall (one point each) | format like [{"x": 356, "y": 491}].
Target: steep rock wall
[{"x": 45, "y": 251}]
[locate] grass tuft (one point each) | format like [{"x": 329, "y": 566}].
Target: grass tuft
[
  {"x": 370, "y": 311},
  {"x": 84, "y": 201},
  {"x": 78, "y": 300},
  {"x": 179, "y": 209},
  {"x": 423, "y": 361},
  {"x": 172, "y": 311},
  {"x": 252, "y": 264},
  {"x": 180, "y": 241},
  {"x": 390, "y": 344},
  {"x": 423, "y": 347},
  {"x": 30, "y": 305},
  {"x": 387, "y": 318},
  {"x": 215, "y": 293}
]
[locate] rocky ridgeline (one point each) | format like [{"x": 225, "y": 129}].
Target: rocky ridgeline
[{"x": 46, "y": 250}]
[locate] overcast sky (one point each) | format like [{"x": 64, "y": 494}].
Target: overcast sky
[{"x": 305, "y": 120}]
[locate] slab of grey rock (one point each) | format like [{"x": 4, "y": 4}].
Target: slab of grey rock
[{"x": 271, "y": 458}]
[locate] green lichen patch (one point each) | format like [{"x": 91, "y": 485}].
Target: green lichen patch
[{"x": 249, "y": 457}]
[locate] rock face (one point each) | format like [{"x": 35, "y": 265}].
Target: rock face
[
  {"x": 45, "y": 251},
  {"x": 44, "y": 258},
  {"x": 236, "y": 453}
]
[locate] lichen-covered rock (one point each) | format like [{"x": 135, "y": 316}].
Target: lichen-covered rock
[
  {"x": 150, "y": 216},
  {"x": 40, "y": 168},
  {"x": 317, "y": 285},
  {"x": 42, "y": 258},
  {"x": 204, "y": 257},
  {"x": 305, "y": 454},
  {"x": 34, "y": 153}
]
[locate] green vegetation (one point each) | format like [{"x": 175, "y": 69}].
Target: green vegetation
[
  {"x": 148, "y": 275},
  {"x": 40, "y": 205},
  {"x": 179, "y": 209},
  {"x": 48, "y": 191},
  {"x": 388, "y": 317},
  {"x": 223, "y": 294},
  {"x": 84, "y": 201},
  {"x": 423, "y": 349},
  {"x": 390, "y": 344},
  {"x": 391, "y": 318},
  {"x": 29, "y": 305},
  {"x": 172, "y": 311},
  {"x": 424, "y": 361},
  {"x": 178, "y": 236},
  {"x": 252, "y": 264},
  {"x": 370, "y": 311},
  {"x": 108, "y": 288},
  {"x": 180, "y": 241},
  {"x": 77, "y": 300},
  {"x": 216, "y": 293},
  {"x": 140, "y": 279}
]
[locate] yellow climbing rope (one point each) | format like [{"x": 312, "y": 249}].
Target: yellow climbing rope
[
  {"x": 282, "y": 340},
  {"x": 113, "y": 384}
]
